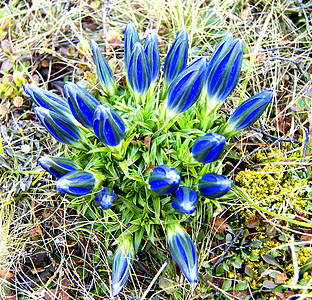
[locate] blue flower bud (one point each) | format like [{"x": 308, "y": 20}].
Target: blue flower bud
[
  {"x": 152, "y": 54},
  {"x": 108, "y": 126},
  {"x": 209, "y": 148},
  {"x": 60, "y": 127},
  {"x": 214, "y": 185},
  {"x": 105, "y": 197},
  {"x": 57, "y": 166},
  {"x": 223, "y": 70},
  {"x": 103, "y": 70},
  {"x": 82, "y": 104},
  {"x": 47, "y": 100},
  {"x": 176, "y": 58},
  {"x": 76, "y": 183},
  {"x": 138, "y": 72},
  {"x": 122, "y": 261},
  {"x": 187, "y": 86},
  {"x": 222, "y": 48},
  {"x": 183, "y": 251},
  {"x": 249, "y": 111},
  {"x": 164, "y": 180},
  {"x": 184, "y": 199},
  {"x": 131, "y": 37}
]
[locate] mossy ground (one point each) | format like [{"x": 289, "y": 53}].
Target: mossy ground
[{"x": 47, "y": 248}]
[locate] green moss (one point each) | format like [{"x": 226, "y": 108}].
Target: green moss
[{"x": 273, "y": 188}]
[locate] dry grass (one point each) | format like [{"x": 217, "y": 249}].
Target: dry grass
[{"x": 274, "y": 45}]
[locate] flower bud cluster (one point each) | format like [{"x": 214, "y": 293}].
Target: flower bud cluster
[{"x": 81, "y": 118}]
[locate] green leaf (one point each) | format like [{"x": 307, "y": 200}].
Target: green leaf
[
  {"x": 138, "y": 235},
  {"x": 156, "y": 204},
  {"x": 226, "y": 286},
  {"x": 241, "y": 286},
  {"x": 271, "y": 260},
  {"x": 133, "y": 208}
]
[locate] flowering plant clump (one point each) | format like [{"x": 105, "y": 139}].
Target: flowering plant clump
[{"x": 133, "y": 151}]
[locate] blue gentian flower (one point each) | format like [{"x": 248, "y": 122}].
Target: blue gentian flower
[
  {"x": 57, "y": 166},
  {"x": 122, "y": 261},
  {"x": 131, "y": 37},
  {"x": 184, "y": 199},
  {"x": 187, "y": 86},
  {"x": 183, "y": 251},
  {"x": 48, "y": 100},
  {"x": 76, "y": 183},
  {"x": 176, "y": 58},
  {"x": 60, "y": 127},
  {"x": 209, "y": 148},
  {"x": 164, "y": 180},
  {"x": 103, "y": 71},
  {"x": 249, "y": 111},
  {"x": 105, "y": 197},
  {"x": 152, "y": 54},
  {"x": 223, "y": 70},
  {"x": 213, "y": 185},
  {"x": 82, "y": 104},
  {"x": 108, "y": 126},
  {"x": 138, "y": 72}
]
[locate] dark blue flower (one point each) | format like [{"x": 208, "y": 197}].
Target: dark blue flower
[
  {"x": 131, "y": 37},
  {"x": 176, "y": 58},
  {"x": 82, "y": 104},
  {"x": 184, "y": 199},
  {"x": 183, "y": 251},
  {"x": 76, "y": 183},
  {"x": 187, "y": 86},
  {"x": 108, "y": 126},
  {"x": 164, "y": 180},
  {"x": 138, "y": 72},
  {"x": 249, "y": 111},
  {"x": 47, "y": 100},
  {"x": 152, "y": 54},
  {"x": 57, "y": 166},
  {"x": 103, "y": 70},
  {"x": 105, "y": 197},
  {"x": 214, "y": 185},
  {"x": 223, "y": 70},
  {"x": 60, "y": 127},
  {"x": 209, "y": 148},
  {"x": 122, "y": 261}
]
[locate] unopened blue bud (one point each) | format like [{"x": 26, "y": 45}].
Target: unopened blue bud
[
  {"x": 152, "y": 54},
  {"x": 223, "y": 69},
  {"x": 176, "y": 58},
  {"x": 123, "y": 259},
  {"x": 82, "y": 104},
  {"x": 221, "y": 49},
  {"x": 184, "y": 199},
  {"x": 103, "y": 70},
  {"x": 131, "y": 37},
  {"x": 138, "y": 72},
  {"x": 249, "y": 111},
  {"x": 213, "y": 185},
  {"x": 105, "y": 197},
  {"x": 47, "y": 100},
  {"x": 108, "y": 126},
  {"x": 209, "y": 148},
  {"x": 183, "y": 251},
  {"x": 164, "y": 180},
  {"x": 187, "y": 86},
  {"x": 58, "y": 126},
  {"x": 57, "y": 166},
  {"x": 76, "y": 183}
]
